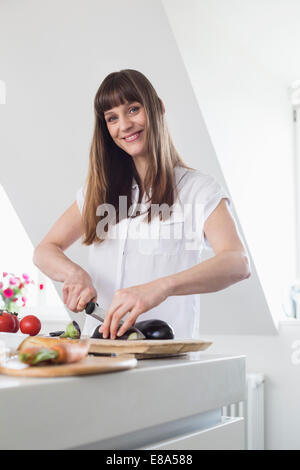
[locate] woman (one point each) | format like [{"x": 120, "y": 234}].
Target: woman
[{"x": 137, "y": 180}]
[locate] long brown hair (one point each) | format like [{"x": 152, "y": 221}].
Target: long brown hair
[{"x": 111, "y": 169}]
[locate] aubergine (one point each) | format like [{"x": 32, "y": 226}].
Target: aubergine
[
  {"x": 155, "y": 329},
  {"x": 131, "y": 334},
  {"x": 72, "y": 331},
  {"x": 56, "y": 333}
]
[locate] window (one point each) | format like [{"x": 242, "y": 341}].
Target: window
[
  {"x": 294, "y": 90},
  {"x": 16, "y": 251},
  {"x": 2, "y": 92}
]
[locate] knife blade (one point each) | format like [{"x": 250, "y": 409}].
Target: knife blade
[{"x": 94, "y": 310}]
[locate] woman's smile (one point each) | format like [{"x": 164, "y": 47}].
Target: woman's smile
[{"x": 132, "y": 137}]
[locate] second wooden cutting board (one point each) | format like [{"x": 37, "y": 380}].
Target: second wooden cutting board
[
  {"x": 87, "y": 366},
  {"x": 148, "y": 347}
]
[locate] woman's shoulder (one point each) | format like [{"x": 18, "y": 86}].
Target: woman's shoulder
[
  {"x": 188, "y": 177},
  {"x": 197, "y": 187}
]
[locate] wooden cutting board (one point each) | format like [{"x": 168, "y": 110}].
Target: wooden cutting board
[
  {"x": 144, "y": 348},
  {"x": 87, "y": 366}
]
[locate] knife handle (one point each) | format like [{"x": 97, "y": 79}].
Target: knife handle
[{"x": 90, "y": 307}]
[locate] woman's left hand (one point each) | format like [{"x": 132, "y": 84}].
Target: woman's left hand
[{"x": 135, "y": 301}]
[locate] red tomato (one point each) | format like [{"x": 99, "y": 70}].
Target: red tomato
[
  {"x": 16, "y": 321},
  {"x": 30, "y": 325},
  {"x": 8, "y": 322}
]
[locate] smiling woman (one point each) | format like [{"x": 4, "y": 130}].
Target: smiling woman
[
  {"x": 131, "y": 139},
  {"x": 155, "y": 273}
]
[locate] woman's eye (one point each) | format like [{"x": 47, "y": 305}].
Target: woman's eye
[{"x": 133, "y": 110}]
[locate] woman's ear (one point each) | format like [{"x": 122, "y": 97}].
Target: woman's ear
[{"x": 162, "y": 105}]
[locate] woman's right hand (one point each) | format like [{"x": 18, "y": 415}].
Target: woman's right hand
[{"x": 78, "y": 290}]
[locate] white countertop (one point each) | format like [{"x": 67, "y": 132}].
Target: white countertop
[{"x": 61, "y": 413}]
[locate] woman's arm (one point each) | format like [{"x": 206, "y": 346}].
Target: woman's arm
[
  {"x": 229, "y": 265},
  {"x": 48, "y": 256}
]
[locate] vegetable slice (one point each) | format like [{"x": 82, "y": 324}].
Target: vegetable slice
[
  {"x": 72, "y": 331},
  {"x": 132, "y": 334}
]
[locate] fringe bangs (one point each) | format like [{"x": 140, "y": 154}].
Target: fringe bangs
[{"x": 116, "y": 89}]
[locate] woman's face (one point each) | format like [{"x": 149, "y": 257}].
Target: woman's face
[{"x": 127, "y": 126}]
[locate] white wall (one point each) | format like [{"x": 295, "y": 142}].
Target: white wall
[
  {"x": 54, "y": 56},
  {"x": 244, "y": 102}
]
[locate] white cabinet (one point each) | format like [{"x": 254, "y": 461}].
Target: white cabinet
[{"x": 228, "y": 435}]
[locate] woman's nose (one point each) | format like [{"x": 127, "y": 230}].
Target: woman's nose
[{"x": 125, "y": 123}]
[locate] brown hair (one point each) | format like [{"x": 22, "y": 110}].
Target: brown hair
[{"x": 111, "y": 169}]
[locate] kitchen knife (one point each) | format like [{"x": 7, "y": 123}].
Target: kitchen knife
[{"x": 93, "y": 309}]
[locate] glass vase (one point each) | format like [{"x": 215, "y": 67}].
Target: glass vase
[{"x": 10, "y": 306}]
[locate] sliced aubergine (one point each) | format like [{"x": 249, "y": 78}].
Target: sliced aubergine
[
  {"x": 131, "y": 334},
  {"x": 72, "y": 331},
  {"x": 56, "y": 333},
  {"x": 155, "y": 329}
]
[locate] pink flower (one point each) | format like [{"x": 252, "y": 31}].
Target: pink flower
[
  {"x": 41, "y": 286},
  {"x": 21, "y": 285},
  {"x": 25, "y": 276},
  {"x": 24, "y": 299},
  {"x": 27, "y": 281},
  {"x": 1, "y": 285},
  {"x": 15, "y": 300},
  {"x": 5, "y": 274},
  {"x": 13, "y": 281},
  {"x": 8, "y": 292}
]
